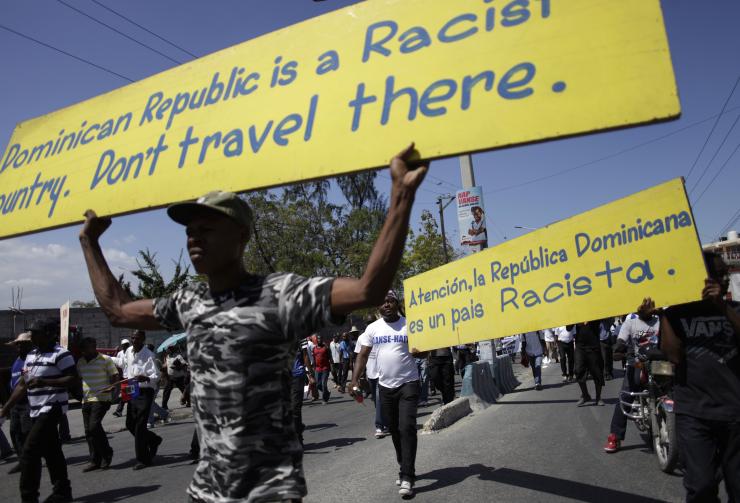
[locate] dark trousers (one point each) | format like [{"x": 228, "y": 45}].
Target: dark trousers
[
  {"x": 619, "y": 420},
  {"x": 399, "y": 408},
  {"x": 344, "y": 373},
  {"x": 172, "y": 382},
  {"x": 322, "y": 384},
  {"x": 442, "y": 374},
  {"x": 64, "y": 429},
  {"x": 20, "y": 426},
  {"x": 335, "y": 373},
  {"x": 606, "y": 355},
  {"x": 296, "y": 398},
  {"x": 706, "y": 447},
  {"x": 137, "y": 414},
  {"x": 588, "y": 360},
  {"x": 97, "y": 441},
  {"x": 43, "y": 441},
  {"x": 567, "y": 362}
]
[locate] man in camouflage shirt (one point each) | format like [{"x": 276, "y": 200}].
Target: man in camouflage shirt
[{"x": 243, "y": 332}]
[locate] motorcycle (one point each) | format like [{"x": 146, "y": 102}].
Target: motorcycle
[{"x": 652, "y": 408}]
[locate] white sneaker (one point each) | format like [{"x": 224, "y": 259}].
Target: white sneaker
[
  {"x": 398, "y": 482},
  {"x": 406, "y": 490}
]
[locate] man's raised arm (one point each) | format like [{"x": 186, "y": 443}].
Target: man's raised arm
[
  {"x": 115, "y": 302},
  {"x": 349, "y": 294}
]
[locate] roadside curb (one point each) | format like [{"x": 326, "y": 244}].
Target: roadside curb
[{"x": 447, "y": 415}]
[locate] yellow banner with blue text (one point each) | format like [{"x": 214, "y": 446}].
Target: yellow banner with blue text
[
  {"x": 594, "y": 265},
  {"x": 341, "y": 93}
]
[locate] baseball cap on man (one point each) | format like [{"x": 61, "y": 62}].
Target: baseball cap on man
[
  {"x": 225, "y": 203},
  {"x": 22, "y": 337}
]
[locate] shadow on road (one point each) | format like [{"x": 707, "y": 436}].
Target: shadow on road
[
  {"x": 335, "y": 443},
  {"x": 117, "y": 494},
  {"x": 321, "y": 426},
  {"x": 160, "y": 460},
  {"x": 577, "y": 491},
  {"x": 534, "y": 402}
]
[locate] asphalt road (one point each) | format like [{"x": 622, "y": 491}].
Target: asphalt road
[{"x": 531, "y": 446}]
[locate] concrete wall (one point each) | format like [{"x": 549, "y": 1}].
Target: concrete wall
[{"x": 92, "y": 320}]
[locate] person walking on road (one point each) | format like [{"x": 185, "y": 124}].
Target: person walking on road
[
  {"x": 567, "y": 354},
  {"x": 441, "y": 371},
  {"x": 140, "y": 365},
  {"x": 640, "y": 329},
  {"x": 532, "y": 347},
  {"x": 48, "y": 373},
  {"x": 336, "y": 371},
  {"x": 344, "y": 361},
  {"x": 703, "y": 339},
  {"x": 588, "y": 360},
  {"x": 118, "y": 360},
  {"x": 371, "y": 371},
  {"x": 177, "y": 377},
  {"x": 243, "y": 330},
  {"x": 20, "y": 415},
  {"x": 398, "y": 381},
  {"x": 605, "y": 341},
  {"x": 301, "y": 370},
  {"x": 322, "y": 367},
  {"x": 551, "y": 343},
  {"x": 98, "y": 373}
]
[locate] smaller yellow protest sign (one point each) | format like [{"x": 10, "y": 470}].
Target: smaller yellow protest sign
[{"x": 597, "y": 264}]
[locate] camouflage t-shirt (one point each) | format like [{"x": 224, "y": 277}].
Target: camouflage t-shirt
[{"x": 241, "y": 345}]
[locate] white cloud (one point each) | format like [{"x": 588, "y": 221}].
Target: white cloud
[{"x": 52, "y": 273}]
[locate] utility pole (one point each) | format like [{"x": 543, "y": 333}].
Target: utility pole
[
  {"x": 487, "y": 347},
  {"x": 442, "y": 207}
]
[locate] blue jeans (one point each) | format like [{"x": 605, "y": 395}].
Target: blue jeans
[
  {"x": 375, "y": 395},
  {"x": 322, "y": 383},
  {"x": 536, "y": 363},
  {"x": 421, "y": 366}
]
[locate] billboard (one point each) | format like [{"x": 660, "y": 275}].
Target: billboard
[{"x": 471, "y": 217}]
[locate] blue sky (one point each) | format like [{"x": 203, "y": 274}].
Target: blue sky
[{"x": 526, "y": 186}]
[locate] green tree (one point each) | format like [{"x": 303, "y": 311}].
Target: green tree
[
  {"x": 424, "y": 248},
  {"x": 151, "y": 282},
  {"x": 84, "y": 303}
]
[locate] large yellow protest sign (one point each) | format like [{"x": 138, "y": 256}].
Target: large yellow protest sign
[
  {"x": 597, "y": 264},
  {"x": 342, "y": 93}
]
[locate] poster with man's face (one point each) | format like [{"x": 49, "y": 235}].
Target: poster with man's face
[{"x": 471, "y": 217}]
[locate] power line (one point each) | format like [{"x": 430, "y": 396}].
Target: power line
[
  {"x": 737, "y": 147},
  {"x": 733, "y": 219},
  {"x": 143, "y": 28},
  {"x": 117, "y": 31},
  {"x": 27, "y": 37},
  {"x": 706, "y": 168},
  {"x": 610, "y": 156},
  {"x": 713, "y": 126}
]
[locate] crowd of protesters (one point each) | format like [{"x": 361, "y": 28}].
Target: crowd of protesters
[{"x": 249, "y": 448}]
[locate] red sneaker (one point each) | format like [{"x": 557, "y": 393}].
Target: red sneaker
[{"x": 612, "y": 443}]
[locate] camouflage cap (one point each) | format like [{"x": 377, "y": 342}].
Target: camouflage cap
[{"x": 226, "y": 203}]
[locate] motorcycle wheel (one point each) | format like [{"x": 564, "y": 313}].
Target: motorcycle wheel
[{"x": 665, "y": 441}]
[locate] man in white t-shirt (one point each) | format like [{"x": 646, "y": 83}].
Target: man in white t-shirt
[
  {"x": 640, "y": 329},
  {"x": 335, "y": 359},
  {"x": 398, "y": 380},
  {"x": 381, "y": 427},
  {"x": 567, "y": 351}
]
